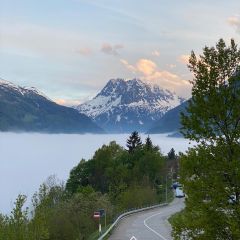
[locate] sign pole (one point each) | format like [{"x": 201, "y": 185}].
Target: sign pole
[
  {"x": 99, "y": 227},
  {"x": 166, "y": 189},
  {"x": 105, "y": 220}
]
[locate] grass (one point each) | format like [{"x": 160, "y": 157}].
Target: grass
[
  {"x": 95, "y": 235},
  {"x": 175, "y": 216}
]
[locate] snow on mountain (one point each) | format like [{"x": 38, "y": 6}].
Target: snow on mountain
[
  {"x": 22, "y": 90},
  {"x": 123, "y": 106}
]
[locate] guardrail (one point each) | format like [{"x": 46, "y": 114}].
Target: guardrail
[{"x": 120, "y": 217}]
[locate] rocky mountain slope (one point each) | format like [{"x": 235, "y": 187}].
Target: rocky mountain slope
[
  {"x": 124, "y": 106},
  {"x": 170, "y": 122}
]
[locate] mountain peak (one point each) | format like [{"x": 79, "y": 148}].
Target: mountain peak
[
  {"x": 5, "y": 82},
  {"x": 23, "y": 90},
  {"x": 126, "y": 105},
  {"x": 116, "y": 80}
]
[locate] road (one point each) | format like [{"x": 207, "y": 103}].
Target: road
[{"x": 148, "y": 225}]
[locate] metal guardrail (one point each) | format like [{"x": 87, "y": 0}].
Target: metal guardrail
[{"x": 120, "y": 217}]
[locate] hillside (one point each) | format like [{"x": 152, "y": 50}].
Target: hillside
[
  {"x": 27, "y": 109},
  {"x": 170, "y": 122}
]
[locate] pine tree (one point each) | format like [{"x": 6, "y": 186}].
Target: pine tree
[
  {"x": 171, "y": 154},
  {"x": 133, "y": 141},
  {"x": 148, "y": 143}
]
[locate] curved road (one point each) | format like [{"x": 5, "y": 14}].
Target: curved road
[{"x": 148, "y": 225}]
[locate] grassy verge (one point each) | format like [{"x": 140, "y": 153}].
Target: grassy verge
[
  {"x": 95, "y": 235},
  {"x": 173, "y": 217}
]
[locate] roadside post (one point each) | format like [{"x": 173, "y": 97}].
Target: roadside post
[
  {"x": 97, "y": 215},
  {"x": 103, "y": 214},
  {"x": 166, "y": 189}
]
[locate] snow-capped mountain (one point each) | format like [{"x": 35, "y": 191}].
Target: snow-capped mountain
[
  {"x": 27, "y": 109},
  {"x": 124, "y": 106},
  {"x": 22, "y": 90}
]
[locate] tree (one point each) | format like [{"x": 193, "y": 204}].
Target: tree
[
  {"x": 18, "y": 220},
  {"x": 148, "y": 143},
  {"x": 79, "y": 177},
  {"x": 171, "y": 154},
  {"x": 133, "y": 141},
  {"x": 210, "y": 171}
]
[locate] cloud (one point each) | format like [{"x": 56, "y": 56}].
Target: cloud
[
  {"x": 109, "y": 49},
  {"x": 145, "y": 66},
  {"x": 155, "y": 53},
  {"x": 171, "y": 65},
  {"x": 67, "y": 102},
  {"x": 184, "y": 59},
  {"x": 148, "y": 71},
  {"x": 128, "y": 66},
  {"x": 86, "y": 51},
  {"x": 235, "y": 22}
]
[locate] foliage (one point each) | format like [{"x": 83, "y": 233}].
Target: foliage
[
  {"x": 73, "y": 218},
  {"x": 137, "y": 196},
  {"x": 133, "y": 142},
  {"x": 17, "y": 226},
  {"x": 210, "y": 172},
  {"x": 113, "y": 169},
  {"x": 213, "y": 111},
  {"x": 114, "y": 180},
  {"x": 171, "y": 154},
  {"x": 148, "y": 143}
]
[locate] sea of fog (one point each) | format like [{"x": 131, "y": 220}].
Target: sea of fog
[{"x": 27, "y": 160}]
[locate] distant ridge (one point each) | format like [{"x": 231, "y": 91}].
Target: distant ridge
[
  {"x": 124, "y": 106},
  {"x": 170, "y": 122},
  {"x": 27, "y": 109}
]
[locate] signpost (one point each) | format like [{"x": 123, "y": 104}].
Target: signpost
[
  {"x": 98, "y": 215},
  {"x": 103, "y": 214}
]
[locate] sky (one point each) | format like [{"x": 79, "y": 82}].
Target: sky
[{"x": 69, "y": 49}]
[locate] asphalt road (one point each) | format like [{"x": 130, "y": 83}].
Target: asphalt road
[{"x": 148, "y": 225}]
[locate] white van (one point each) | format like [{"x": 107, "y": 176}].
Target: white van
[{"x": 179, "y": 192}]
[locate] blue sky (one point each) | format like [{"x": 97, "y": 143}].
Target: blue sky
[{"x": 69, "y": 49}]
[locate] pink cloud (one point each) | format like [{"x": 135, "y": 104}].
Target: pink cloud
[
  {"x": 155, "y": 53},
  {"x": 145, "y": 66},
  {"x": 67, "y": 102},
  {"x": 149, "y": 72},
  {"x": 86, "y": 51},
  {"x": 109, "y": 49},
  {"x": 235, "y": 22},
  {"x": 128, "y": 66},
  {"x": 184, "y": 58}
]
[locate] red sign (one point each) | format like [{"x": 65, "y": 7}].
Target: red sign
[{"x": 96, "y": 215}]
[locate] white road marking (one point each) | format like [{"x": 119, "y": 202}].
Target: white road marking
[
  {"x": 145, "y": 224},
  {"x": 133, "y": 238}
]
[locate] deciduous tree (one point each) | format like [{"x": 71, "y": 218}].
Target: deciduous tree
[{"x": 210, "y": 171}]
